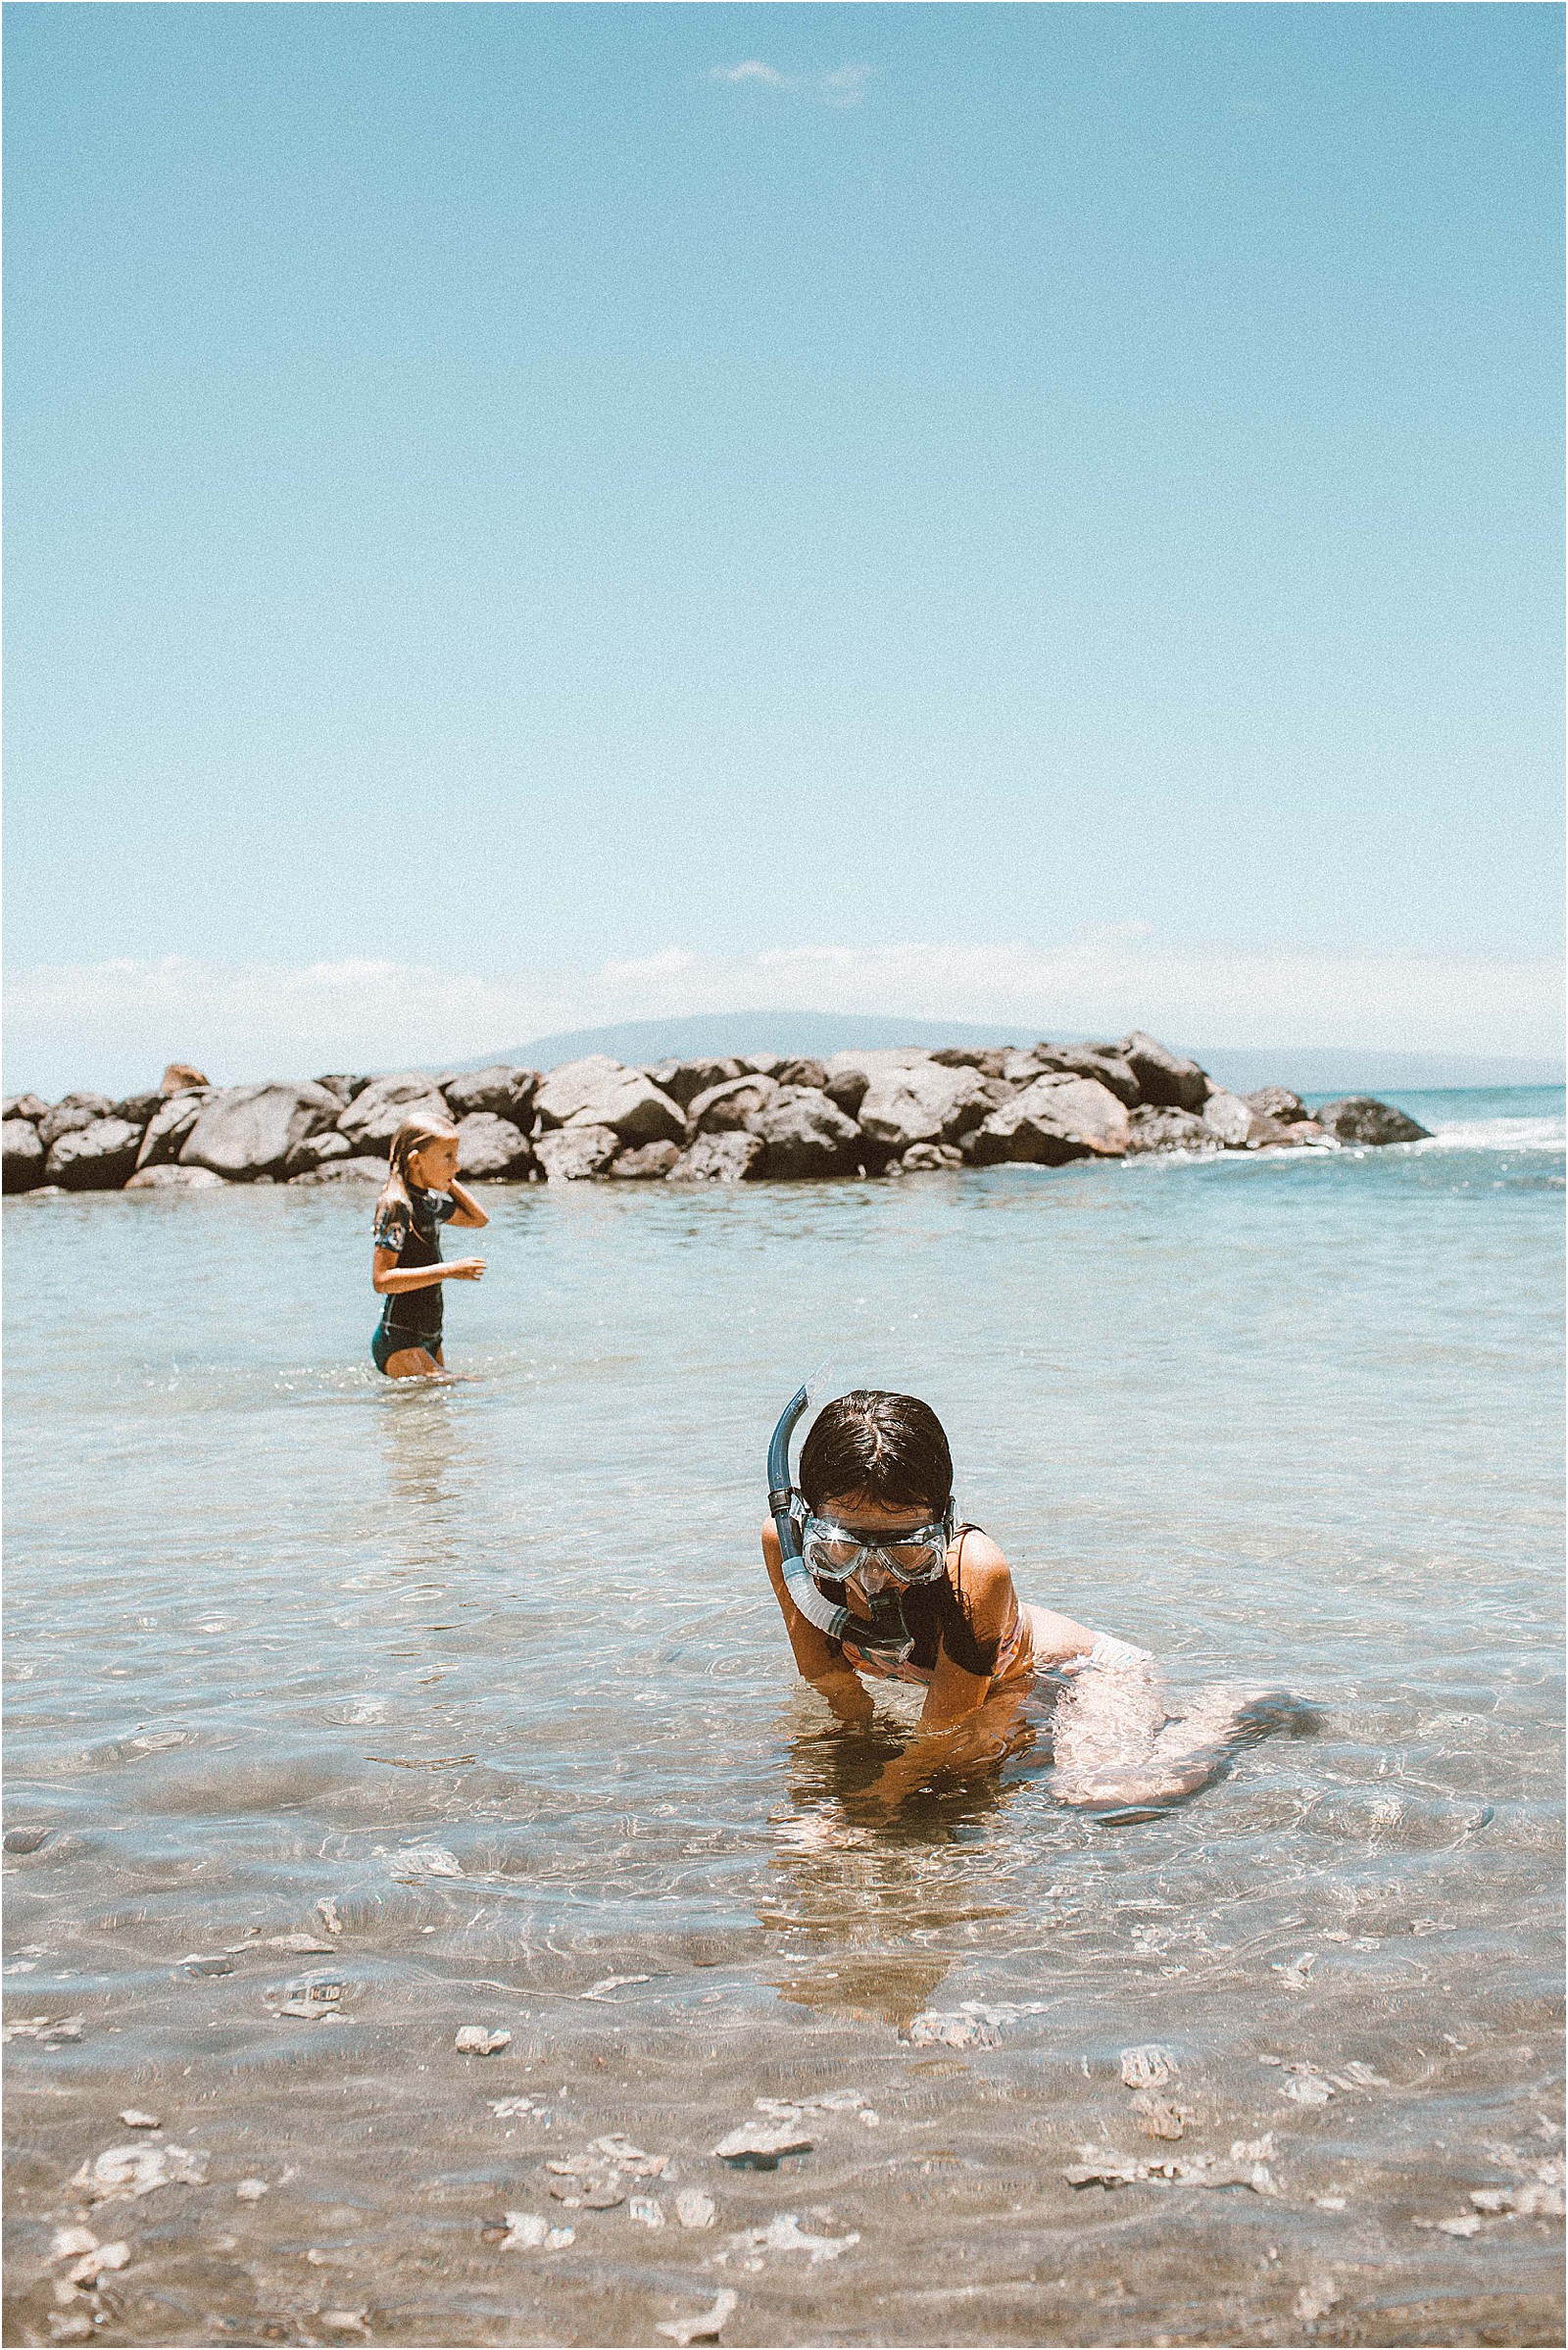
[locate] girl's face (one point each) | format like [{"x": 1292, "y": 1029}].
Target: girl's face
[{"x": 434, "y": 1165}]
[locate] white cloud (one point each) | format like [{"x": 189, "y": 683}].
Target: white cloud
[
  {"x": 114, "y": 1024},
  {"x": 844, "y": 85},
  {"x": 754, "y": 71}
]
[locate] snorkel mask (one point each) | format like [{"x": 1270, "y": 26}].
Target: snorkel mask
[{"x": 819, "y": 1548}]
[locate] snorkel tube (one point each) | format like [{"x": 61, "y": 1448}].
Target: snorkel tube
[{"x": 813, "y": 1606}]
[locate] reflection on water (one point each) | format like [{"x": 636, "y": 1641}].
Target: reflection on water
[{"x": 493, "y": 1671}]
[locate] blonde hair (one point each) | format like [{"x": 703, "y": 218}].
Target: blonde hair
[{"x": 411, "y": 1136}]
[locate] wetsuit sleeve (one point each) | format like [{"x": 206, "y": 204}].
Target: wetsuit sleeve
[
  {"x": 443, "y": 1207},
  {"x": 391, "y": 1225}
]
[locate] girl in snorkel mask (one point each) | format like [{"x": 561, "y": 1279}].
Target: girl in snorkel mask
[{"x": 877, "y": 1581}]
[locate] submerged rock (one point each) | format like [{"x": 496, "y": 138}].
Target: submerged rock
[
  {"x": 165, "y": 1178},
  {"x": 1169, "y": 1130},
  {"x": 1359, "y": 1118},
  {"x": 344, "y": 1170},
  {"x": 650, "y": 1162}
]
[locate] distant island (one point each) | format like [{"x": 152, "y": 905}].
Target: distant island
[{"x": 877, "y": 1110}]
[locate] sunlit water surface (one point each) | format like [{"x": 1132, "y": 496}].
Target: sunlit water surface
[{"x": 495, "y": 1669}]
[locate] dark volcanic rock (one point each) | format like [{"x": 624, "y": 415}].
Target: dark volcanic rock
[
  {"x": 1053, "y": 1120},
  {"x": 497, "y": 1093},
  {"x": 1169, "y": 1130},
  {"x": 167, "y": 1129},
  {"x": 1361, "y": 1119},
  {"x": 249, "y": 1129},
  {"x": 491, "y": 1147},
  {"x": 1278, "y": 1101},
  {"x": 71, "y": 1115},
  {"x": 684, "y": 1080},
  {"x": 576, "y": 1154},
  {"x": 99, "y": 1157},
  {"x": 650, "y": 1162},
  {"x": 725, "y": 1108},
  {"x": 719, "y": 1158},
  {"x": 805, "y": 1133},
  {"x": 22, "y": 1155},
  {"x": 1166, "y": 1080}
]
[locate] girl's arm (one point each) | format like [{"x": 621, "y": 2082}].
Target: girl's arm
[
  {"x": 388, "y": 1281},
  {"x": 469, "y": 1210},
  {"x": 815, "y": 1660}
]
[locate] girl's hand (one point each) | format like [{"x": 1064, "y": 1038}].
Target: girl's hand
[{"x": 467, "y": 1268}]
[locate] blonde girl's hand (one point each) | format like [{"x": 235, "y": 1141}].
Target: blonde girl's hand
[{"x": 469, "y": 1268}]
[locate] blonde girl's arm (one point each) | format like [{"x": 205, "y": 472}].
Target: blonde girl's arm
[
  {"x": 469, "y": 1210},
  {"x": 815, "y": 1660}
]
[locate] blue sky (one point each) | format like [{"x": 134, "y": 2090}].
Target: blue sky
[{"x": 525, "y": 511}]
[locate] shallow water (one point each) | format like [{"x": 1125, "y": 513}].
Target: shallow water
[{"x": 494, "y": 1667}]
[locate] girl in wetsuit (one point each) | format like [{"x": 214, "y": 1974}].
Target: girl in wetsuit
[
  {"x": 874, "y": 1509},
  {"x": 422, "y": 1193}
]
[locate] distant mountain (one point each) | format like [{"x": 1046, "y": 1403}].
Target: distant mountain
[{"x": 1349, "y": 1070}]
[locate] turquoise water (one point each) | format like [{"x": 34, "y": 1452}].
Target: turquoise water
[{"x": 494, "y": 1667}]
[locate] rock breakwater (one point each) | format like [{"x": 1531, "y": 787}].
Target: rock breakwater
[{"x": 759, "y": 1118}]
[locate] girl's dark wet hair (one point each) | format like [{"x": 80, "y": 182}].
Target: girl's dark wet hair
[{"x": 889, "y": 1447}]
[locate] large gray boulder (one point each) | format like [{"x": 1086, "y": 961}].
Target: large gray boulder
[
  {"x": 719, "y": 1158},
  {"x": 491, "y": 1149},
  {"x": 1359, "y": 1118},
  {"x": 1053, "y": 1120},
  {"x": 167, "y": 1129},
  {"x": 1166, "y": 1080},
  {"x": 684, "y": 1080},
  {"x": 1154, "y": 1129},
  {"x": 649, "y": 1162},
  {"x": 1102, "y": 1062},
  {"x": 99, "y": 1157},
  {"x": 725, "y": 1108},
  {"x": 805, "y": 1133},
  {"x": 805, "y": 1070},
  {"x": 1229, "y": 1118},
  {"x": 379, "y": 1109},
  {"x": 849, "y": 1074},
  {"x": 599, "y": 1092},
  {"x": 576, "y": 1154},
  {"x": 249, "y": 1129},
  {"x": 499, "y": 1091},
  {"x": 24, "y": 1106},
  {"x": 164, "y": 1178},
  {"x": 71, "y": 1115},
  {"x": 344, "y": 1170},
  {"x": 22, "y": 1155},
  {"x": 924, "y": 1103}
]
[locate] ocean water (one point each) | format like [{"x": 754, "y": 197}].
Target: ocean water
[{"x": 492, "y": 1670}]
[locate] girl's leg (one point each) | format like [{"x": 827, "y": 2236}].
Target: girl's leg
[
  {"x": 1115, "y": 1744},
  {"x": 413, "y": 1362}
]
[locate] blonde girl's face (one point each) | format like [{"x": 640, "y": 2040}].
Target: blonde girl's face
[{"x": 434, "y": 1165}]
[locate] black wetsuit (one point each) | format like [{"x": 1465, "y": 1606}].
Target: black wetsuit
[{"x": 412, "y": 1318}]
